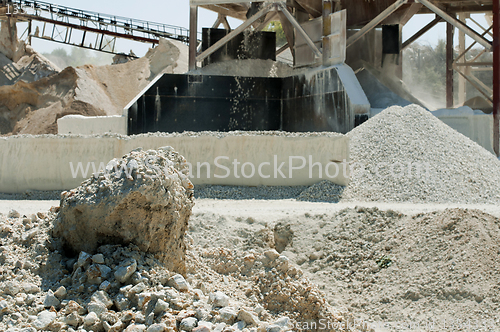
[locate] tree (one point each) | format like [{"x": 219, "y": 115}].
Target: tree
[{"x": 275, "y": 26}]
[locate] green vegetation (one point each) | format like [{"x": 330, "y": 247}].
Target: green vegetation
[{"x": 275, "y": 26}]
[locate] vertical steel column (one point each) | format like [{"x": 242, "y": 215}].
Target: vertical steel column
[
  {"x": 461, "y": 47},
  {"x": 496, "y": 75},
  {"x": 29, "y": 32},
  {"x": 449, "y": 64},
  {"x": 193, "y": 38}
]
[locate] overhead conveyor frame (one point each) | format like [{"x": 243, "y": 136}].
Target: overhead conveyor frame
[{"x": 272, "y": 6}]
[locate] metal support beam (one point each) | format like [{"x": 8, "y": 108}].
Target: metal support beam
[
  {"x": 422, "y": 31},
  {"x": 496, "y": 75},
  {"x": 269, "y": 17},
  {"x": 414, "y": 8},
  {"x": 300, "y": 30},
  {"x": 233, "y": 33},
  {"x": 462, "y": 92},
  {"x": 288, "y": 30},
  {"x": 193, "y": 40},
  {"x": 449, "y": 65},
  {"x": 457, "y": 24},
  {"x": 376, "y": 21}
]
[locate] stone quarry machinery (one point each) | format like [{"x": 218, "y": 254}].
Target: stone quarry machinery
[
  {"x": 324, "y": 95},
  {"x": 328, "y": 40}
]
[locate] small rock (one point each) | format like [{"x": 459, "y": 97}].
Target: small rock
[
  {"x": 102, "y": 297},
  {"x": 259, "y": 309},
  {"x": 121, "y": 302},
  {"x": 124, "y": 272},
  {"x": 61, "y": 292},
  {"x": 84, "y": 259},
  {"x": 138, "y": 288},
  {"x": 90, "y": 319},
  {"x": 271, "y": 254},
  {"x": 98, "y": 259},
  {"x": 96, "y": 307},
  {"x": 139, "y": 318},
  {"x": 228, "y": 315},
  {"x": 30, "y": 288},
  {"x": 142, "y": 299},
  {"x": 315, "y": 256},
  {"x": 201, "y": 329},
  {"x": 72, "y": 319},
  {"x": 179, "y": 283},
  {"x": 273, "y": 328},
  {"x": 105, "y": 286},
  {"x": 13, "y": 214},
  {"x": 248, "y": 318},
  {"x": 188, "y": 324},
  {"x": 206, "y": 324},
  {"x": 50, "y": 300},
  {"x": 4, "y": 306},
  {"x": 157, "y": 328},
  {"x": 239, "y": 325},
  {"x": 219, "y": 299},
  {"x": 44, "y": 319},
  {"x": 135, "y": 328},
  {"x": 161, "y": 306},
  {"x": 219, "y": 327},
  {"x": 283, "y": 322},
  {"x": 11, "y": 288}
]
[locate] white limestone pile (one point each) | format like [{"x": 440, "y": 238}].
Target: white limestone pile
[{"x": 454, "y": 169}]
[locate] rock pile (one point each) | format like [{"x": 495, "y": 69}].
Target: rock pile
[
  {"x": 121, "y": 288},
  {"x": 144, "y": 198},
  {"x": 37, "y": 93}
]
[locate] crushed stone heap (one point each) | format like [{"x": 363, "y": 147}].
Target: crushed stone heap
[
  {"x": 453, "y": 168},
  {"x": 145, "y": 198}
]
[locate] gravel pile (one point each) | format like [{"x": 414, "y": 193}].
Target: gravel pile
[
  {"x": 453, "y": 168},
  {"x": 324, "y": 191}
]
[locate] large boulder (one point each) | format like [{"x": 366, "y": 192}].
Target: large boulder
[{"x": 144, "y": 198}]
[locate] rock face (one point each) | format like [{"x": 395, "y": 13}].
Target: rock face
[{"x": 144, "y": 198}]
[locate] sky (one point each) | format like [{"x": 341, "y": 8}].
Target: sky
[{"x": 177, "y": 13}]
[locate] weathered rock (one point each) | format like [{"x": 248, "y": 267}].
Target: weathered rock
[
  {"x": 61, "y": 292},
  {"x": 124, "y": 272},
  {"x": 50, "y": 300},
  {"x": 219, "y": 299},
  {"x": 160, "y": 306},
  {"x": 188, "y": 324},
  {"x": 90, "y": 319},
  {"x": 227, "y": 315},
  {"x": 13, "y": 214},
  {"x": 135, "y": 328},
  {"x": 157, "y": 328},
  {"x": 140, "y": 198},
  {"x": 248, "y": 317},
  {"x": 44, "y": 319},
  {"x": 179, "y": 283}
]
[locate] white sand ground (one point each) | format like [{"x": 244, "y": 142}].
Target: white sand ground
[{"x": 268, "y": 210}]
